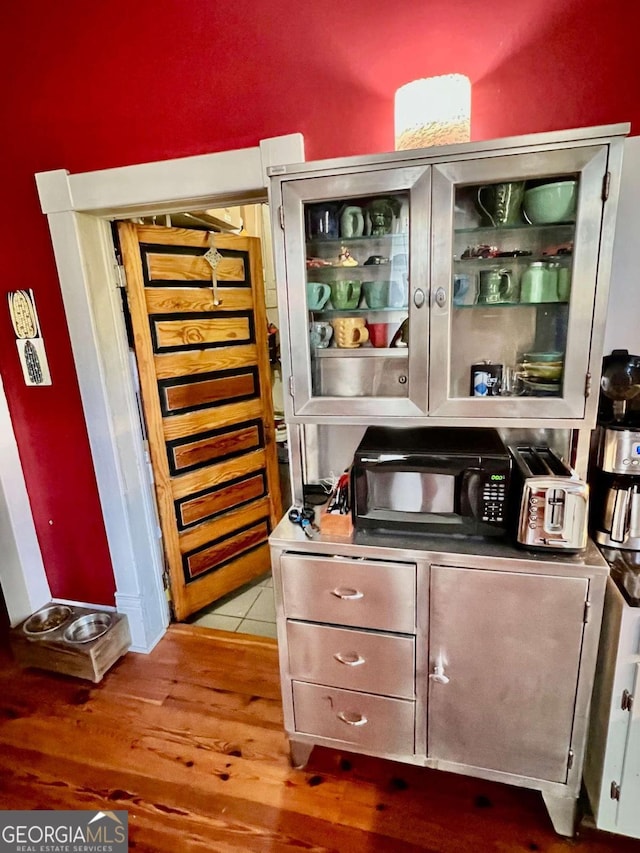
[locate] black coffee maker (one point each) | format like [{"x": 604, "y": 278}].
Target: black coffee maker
[
  {"x": 616, "y": 483},
  {"x": 619, "y": 403}
]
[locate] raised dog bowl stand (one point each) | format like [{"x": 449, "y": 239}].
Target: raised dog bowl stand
[{"x": 82, "y": 642}]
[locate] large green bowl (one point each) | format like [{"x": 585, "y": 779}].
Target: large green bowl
[{"x": 551, "y": 203}]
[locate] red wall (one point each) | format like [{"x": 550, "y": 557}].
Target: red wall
[{"x": 94, "y": 85}]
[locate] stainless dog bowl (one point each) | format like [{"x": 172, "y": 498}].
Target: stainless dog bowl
[
  {"x": 88, "y": 628},
  {"x": 47, "y": 619}
]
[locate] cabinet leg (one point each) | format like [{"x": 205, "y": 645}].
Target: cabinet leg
[
  {"x": 299, "y": 752},
  {"x": 563, "y": 812}
]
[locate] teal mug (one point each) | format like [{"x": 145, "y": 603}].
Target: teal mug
[
  {"x": 376, "y": 293},
  {"x": 317, "y": 295},
  {"x": 345, "y": 295}
]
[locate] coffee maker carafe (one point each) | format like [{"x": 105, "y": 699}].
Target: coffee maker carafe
[{"x": 616, "y": 495}]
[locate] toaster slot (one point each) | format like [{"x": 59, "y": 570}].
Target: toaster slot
[
  {"x": 542, "y": 461},
  {"x": 555, "y": 510}
]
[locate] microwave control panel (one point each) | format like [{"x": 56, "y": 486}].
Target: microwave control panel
[{"x": 493, "y": 498}]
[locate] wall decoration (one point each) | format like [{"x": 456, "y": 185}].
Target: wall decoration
[{"x": 26, "y": 326}]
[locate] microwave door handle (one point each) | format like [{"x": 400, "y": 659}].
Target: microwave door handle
[
  {"x": 469, "y": 492},
  {"x": 620, "y": 515}
]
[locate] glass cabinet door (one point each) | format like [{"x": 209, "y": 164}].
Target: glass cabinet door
[
  {"x": 514, "y": 269},
  {"x": 356, "y": 250}
]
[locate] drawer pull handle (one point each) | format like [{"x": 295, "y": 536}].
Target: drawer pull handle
[
  {"x": 347, "y": 594},
  {"x": 350, "y": 659},
  {"x": 352, "y": 719},
  {"x": 438, "y": 675}
]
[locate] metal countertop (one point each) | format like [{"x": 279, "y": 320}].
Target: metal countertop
[{"x": 408, "y": 546}]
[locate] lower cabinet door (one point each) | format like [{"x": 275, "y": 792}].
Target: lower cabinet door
[
  {"x": 628, "y": 821},
  {"x": 504, "y": 660},
  {"x": 356, "y": 660},
  {"x": 373, "y": 722}
]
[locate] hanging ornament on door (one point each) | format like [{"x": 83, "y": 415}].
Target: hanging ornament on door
[{"x": 213, "y": 257}]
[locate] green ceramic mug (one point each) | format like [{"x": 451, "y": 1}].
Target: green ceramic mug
[
  {"x": 345, "y": 294},
  {"x": 501, "y": 203}
]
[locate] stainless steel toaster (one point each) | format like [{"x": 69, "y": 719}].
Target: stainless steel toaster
[{"x": 551, "y": 503}]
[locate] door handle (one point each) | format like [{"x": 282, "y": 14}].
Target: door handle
[
  {"x": 438, "y": 675},
  {"x": 441, "y": 297},
  {"x": 419, "y": 297},
  {"x": 350, "y": 659},
  {"x": 347, "y": 594}
]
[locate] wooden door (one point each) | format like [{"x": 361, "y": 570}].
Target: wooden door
[{"x": 206, "y": 392}]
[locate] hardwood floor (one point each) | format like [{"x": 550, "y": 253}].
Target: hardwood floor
[{"x": 189, "y": 740}]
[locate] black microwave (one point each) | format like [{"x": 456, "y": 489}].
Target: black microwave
[{"x": 435, "y": 480}]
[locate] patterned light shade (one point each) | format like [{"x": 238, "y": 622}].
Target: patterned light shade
[{"x": 433, "y": 111}]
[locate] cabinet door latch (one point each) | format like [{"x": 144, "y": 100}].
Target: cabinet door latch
[
  {"x": 587, "y": 385},
  {"x": 291, "y": 387},
  {"x": 615, "y": 791},
  {"x": 606, "y": 183},
  {"x": 627, "y": 701}
]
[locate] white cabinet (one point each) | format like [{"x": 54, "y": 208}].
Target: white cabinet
[
  {"x": 470, "y": 663},
  {"x": 396, "y": 275},
  {"x": 612, "y": 768}
]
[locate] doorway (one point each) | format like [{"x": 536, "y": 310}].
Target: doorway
[
  {"x": 200, "y": 335},
  {"x": 80, "y": 209}
]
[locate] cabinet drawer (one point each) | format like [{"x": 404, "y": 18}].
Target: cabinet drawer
[
  {"x": 361, "y": 593},
  {"x": 374, "y": 722},
  {"x": 356, "y": 660}
]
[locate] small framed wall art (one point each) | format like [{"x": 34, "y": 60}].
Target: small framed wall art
[{"x": 24, "y": 318}]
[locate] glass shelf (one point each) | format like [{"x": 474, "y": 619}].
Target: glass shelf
[
  {"x": 361, "y": 352},
  {"x": 341, "y": 312},
  {"x": 485, "y": 305},
  {"x": 390, "y": 267},
  {"x": 364, "y": 238},
  {"x": 522, "y": 226}
]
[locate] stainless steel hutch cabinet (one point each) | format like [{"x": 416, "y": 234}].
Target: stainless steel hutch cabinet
[
  {"x": 442, "y": 286},
  {"x": 399, "y": 273}
]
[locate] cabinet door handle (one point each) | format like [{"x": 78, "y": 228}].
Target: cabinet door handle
[
  {"x": 352, "y": 719},
  {"x": 441, "y": 297},
  {"x": 347, "y": 594},
  {"x": 350, "y": 659},
  {"x": 419, "y": 297},
  {"x": 438, "y": 675}
]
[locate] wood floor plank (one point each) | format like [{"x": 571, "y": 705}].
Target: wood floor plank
[{"x": 189, "y": 740}]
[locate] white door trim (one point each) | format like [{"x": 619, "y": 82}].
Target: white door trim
[{"x": 78, "y": 208}]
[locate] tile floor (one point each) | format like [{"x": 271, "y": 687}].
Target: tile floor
[{"x": 249, "y": 610}]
